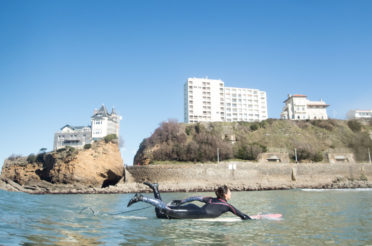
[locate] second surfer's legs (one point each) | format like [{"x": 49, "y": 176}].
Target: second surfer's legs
[
  {"x": 190, "y": 211},
  {"x": 155, "y": 189}
]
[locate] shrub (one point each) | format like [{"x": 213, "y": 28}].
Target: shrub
[
  {"x": 249, "y": 151},
  {"x": 168, "y": 132},
  {"x": 360, "y": 143},
  {"x": 42, "y": 150},
  {"x": 87, "y": 146},
  {"x": 270, "y": 121},
  {"x": 317, "y": 157},
  {"x": 263, "y": 124},
  {"x": 302, "y": 154},
  {"x": 14, "y": 157},
  {"x": 326, "y": 124},
  {"x": 307, "y": 152},
  {"x": 70, "y": 149},
  {"x": 31, "y": 158},
  {"x": 363, "y": 177},
  {"x": 254, "y": 127},
  {"x": 110, "y": 138},
  {"x": 40, "y": 157},
  {"x": 189, "y": 130},
  {"x": 354, "y": 125}
]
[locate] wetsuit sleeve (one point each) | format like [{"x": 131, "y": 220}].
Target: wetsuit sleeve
[{"x": 238, "y": 213}]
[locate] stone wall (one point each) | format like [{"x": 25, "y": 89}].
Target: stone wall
[{"x": 252, "y": 176}]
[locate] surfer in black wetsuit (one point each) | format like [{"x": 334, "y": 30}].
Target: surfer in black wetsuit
[{"x": 213, "y": 207}]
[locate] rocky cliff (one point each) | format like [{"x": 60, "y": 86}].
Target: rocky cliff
[{"x": 97, "y": 167}]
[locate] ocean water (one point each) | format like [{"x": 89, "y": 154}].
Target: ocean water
[{"x": 310, "y": 217}]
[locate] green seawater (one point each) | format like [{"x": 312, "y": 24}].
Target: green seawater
[{"x": 310, "y": 217}]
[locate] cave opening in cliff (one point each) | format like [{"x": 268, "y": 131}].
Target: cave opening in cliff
[{"x": 112, "y": 179}]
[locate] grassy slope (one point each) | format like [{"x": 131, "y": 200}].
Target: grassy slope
[{"x": 283, "y": 135}]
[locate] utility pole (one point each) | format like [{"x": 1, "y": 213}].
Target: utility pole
[
  {"x": 218, "y": 155},
  {"x": 296, "y": 154},
  {"x": 369, "y": 156}
]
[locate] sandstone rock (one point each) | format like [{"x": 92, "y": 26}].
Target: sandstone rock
[{"x": 100, "y": 166}]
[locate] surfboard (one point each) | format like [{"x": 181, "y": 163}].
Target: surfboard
[
  {"x": 236, "y": 219},
  {"x": 266, "y": 216}
]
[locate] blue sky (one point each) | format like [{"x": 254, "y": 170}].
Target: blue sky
[{"x": 61, "y": 59}]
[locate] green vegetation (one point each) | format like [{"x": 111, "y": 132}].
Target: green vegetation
[
  {"x": 31, "y": 158},
  {"x": 354, "y": 125},
  {"x": 110, "y": 138},
  {"x": 246, "y": 151},
  {"x": 254, "y": 127},
  {"x": 14, "y": 157},
  {"x": 87, "y": 146},
  {"x": 199, "y": 142}
]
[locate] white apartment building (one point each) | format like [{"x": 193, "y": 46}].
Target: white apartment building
[
  {"x": 298, "y": 107},
  {"x": 359, "y": 114},
  {"x": 208, "y": 100}
]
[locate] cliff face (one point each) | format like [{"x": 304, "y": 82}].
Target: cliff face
[{"x": 99, "y": 166}]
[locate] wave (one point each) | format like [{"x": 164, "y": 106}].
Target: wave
[{"x": 351, "y": 189}]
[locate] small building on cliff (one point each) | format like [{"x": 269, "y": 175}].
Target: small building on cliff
[
  {"x": 359, "y": 114},
  {"x": 102, "y": 124},
  {"x": 298, "y": 107},
  {"x": 74, "y": 136}
]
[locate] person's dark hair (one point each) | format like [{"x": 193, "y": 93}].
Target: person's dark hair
[{"x": 221, "y": 191}]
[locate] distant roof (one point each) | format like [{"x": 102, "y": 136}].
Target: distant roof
[
  {"x": 74, "y": 127},
  {"x": 102, "y": 112},
  {"x": 295, "y": 95},
  {"x": 362, "y": 110},
  {"x": 273, "y": 157},
  {"x": 340, "y": 157},
  {"x": 319, "y": 103}
]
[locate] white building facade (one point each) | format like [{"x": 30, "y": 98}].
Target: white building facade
[
  {"x": 359, "y": 114},
  {"x": 208, "y": 100},
  {"x": 298, "y": 107},
  {"x": 74, "y": 136},
  {"x": 103, "y": 124}
]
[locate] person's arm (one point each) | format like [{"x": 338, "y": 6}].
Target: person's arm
[
  {"x": 235, "y": 211},
  {"x": 190, "y": 199}
]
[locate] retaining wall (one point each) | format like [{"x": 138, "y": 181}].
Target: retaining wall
[{"x": 252, "y": 176}]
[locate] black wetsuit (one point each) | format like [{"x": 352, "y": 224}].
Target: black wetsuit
[{"x": 213, "y": 208}]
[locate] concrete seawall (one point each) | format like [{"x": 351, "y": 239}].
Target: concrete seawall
[{"x": 253, "y": 176}]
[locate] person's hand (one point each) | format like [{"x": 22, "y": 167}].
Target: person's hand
[
  {"x": 176, "y": 203},
  {"x": 246, "y": 217}
]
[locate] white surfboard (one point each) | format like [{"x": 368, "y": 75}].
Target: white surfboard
[{"x": 235, "y": 219}]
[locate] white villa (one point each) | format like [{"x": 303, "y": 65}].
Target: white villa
[
  {"x": 359, "y": 114},
  {"x": 298, "y": 107},
  {"x": 102, "y": 124},
  {"x": 207, "y": 100}
]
